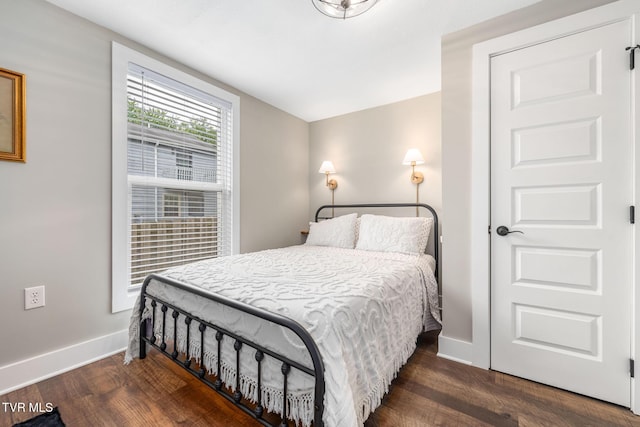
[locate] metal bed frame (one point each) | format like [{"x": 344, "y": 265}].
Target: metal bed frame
[{"x": 160, "y": 310}]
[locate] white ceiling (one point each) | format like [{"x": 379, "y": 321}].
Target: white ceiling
[{"x": 289, "y": 55}]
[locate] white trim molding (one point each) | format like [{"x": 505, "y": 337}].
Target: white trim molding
[
  {"x": 35, "y": 369},
  {"x": 454, "y": 349},
  {"x": 124, "y": 295},
  {"x": 480, "y": 201}
]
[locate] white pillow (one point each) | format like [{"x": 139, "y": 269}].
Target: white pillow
[
  {"x": 408, "y": 235},
  {"x": 339, "y": 232}
]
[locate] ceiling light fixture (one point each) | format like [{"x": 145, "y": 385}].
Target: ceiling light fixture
[{"x": 343, "y": 9}]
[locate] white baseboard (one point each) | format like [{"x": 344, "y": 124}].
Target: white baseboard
[
  {"x": 29, "y": 371},
  {"x": 456, "y": 350}
]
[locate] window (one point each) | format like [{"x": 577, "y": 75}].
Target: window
[
  {"x": 172, "y": 203},
  {"x": 184, "y": 165},
  {"x": 175, "y": 192}
]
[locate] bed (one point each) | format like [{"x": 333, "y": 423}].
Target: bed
[{"x": 314, "y": 333}]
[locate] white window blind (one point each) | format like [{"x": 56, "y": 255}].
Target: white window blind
[
  {"x": 178, "y": 168},
  {"x": 174, "y": 164}
]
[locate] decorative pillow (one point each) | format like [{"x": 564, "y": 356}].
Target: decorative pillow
[
  {"x": 339, "y": 232},
  {"x": 406, "y": 235}
]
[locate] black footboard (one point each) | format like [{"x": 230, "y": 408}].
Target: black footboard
[{"x": 164, "y": 312}]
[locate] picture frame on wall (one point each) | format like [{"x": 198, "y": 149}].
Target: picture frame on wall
[{"x": 12, "y": 116}]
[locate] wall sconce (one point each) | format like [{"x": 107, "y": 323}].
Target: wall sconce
[
  {"x": 413, "y": 158},
  {"x": 327, "y": 168}
]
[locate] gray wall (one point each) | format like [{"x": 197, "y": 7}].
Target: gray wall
[
  {"x": 275, "y": 196},
  {"x": 367, "y": 148},
  {"x": 456, "y": 149},
  {"x": 55, "y": 210}
]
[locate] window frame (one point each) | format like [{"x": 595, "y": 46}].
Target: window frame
[
  {"x": 124, "y": 295},
  {"x": 166, "y": 198}
]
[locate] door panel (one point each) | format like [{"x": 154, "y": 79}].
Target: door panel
[
  {"x": 557, "y": 330},
  {"x": 560, "y": 268},
  {"x": 568, "y": 77},
  {"x": 561, "y": 206},
  {"x": 561, "y": 173},
  {"x": 566, "y": 143}
]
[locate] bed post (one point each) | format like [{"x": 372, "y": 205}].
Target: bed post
[
  {"x": 143, "y": 322},
  {"x": 143, "y": 344}
]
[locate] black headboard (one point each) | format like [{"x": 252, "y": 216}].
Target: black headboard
[{"x": 434, "y": 215}]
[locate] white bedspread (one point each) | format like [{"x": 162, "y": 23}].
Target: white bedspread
[{"x": 363, "y": 309}]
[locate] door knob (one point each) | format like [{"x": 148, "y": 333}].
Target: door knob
[{"x": 503, "y": 231}]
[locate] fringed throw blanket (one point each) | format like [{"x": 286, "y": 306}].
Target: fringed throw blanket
[{"x": 363, "y": 309}]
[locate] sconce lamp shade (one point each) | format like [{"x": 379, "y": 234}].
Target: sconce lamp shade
[
  {"x": 413, "y": 157},
  {"x": 327, "y": 167}
]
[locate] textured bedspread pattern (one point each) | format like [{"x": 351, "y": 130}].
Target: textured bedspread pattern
[{"x": 363, "y": 309}]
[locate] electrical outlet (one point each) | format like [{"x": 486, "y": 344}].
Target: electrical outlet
[{"x": 33, "y": 297}]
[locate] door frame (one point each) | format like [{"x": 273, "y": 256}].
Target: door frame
[{"x": 480, "y": 165}]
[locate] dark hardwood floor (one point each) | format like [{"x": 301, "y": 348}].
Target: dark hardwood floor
[{"x": 429, "y": 391}]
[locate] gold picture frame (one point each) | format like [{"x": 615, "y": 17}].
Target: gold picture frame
[{"x": 12, "y": 116}]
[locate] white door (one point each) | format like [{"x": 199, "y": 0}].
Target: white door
[{"x": 561, "y": 173}]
